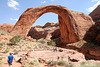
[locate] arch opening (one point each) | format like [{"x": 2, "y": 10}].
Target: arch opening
[
  {"x": 67, "y": 22},
  {"x": 45, "y": 29}
]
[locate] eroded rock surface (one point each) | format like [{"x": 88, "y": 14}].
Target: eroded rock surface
[
  {"x": 6, "y": 27},
  {"x": 84, "y": 23}
]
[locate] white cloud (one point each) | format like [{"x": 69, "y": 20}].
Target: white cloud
[
  {"x": 95, "y": 0},
  {"x": 13, "y": 4},
  {"x": 13, "y": 19},
  {"x": 43, "y": 2},
  {"x": 90, "y": 9}
]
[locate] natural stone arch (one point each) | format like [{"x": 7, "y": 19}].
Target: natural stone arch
[{"x": 67, "y": 23}]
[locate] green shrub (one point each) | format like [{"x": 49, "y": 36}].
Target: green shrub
[
  {"x": 29, "y": 47},
  {"x": 1, "y": 63},
  {"x": 51, "y": 62},
  {"x": 16, "y": 52},
  {"x": 62, "y": 63},
  {"x": 0, "y": 58},
  {"x": 2, "y": 34},
  {"x": 15, "y": 39},
  {"x": 6, "y": 51},
  {"x": 41, "y": 40},
  {"x": 34, "y": 62},
  {"x": 51, "y": 43},
  {"x": 88, "y": 64},
  {"x": 2, "y": 43}
]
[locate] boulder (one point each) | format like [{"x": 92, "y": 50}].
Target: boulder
[{"x": 7, "y": 27}]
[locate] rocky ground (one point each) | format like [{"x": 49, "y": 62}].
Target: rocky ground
[{"x": 38, "y": 53}]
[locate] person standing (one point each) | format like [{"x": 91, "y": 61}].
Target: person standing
[{"x": 10, "y": 59}]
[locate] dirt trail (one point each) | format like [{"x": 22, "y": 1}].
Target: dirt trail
[{"x": 14, "y": 64}]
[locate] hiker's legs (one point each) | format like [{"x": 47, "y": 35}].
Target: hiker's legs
[{"x": 10, "y": 64}]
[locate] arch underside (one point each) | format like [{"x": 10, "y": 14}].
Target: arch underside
[{"x": 68, "y": 29}]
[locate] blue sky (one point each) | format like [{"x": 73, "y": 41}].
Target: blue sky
[{"x": 11, "y": 10}]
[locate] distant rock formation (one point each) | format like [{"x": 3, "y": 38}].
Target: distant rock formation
[
  {"x": 95, "y": 14},
  {"x": 48, "y": 31},
  {"x": 6, "y": 27}
]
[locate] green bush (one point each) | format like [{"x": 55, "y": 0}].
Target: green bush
[
  {"x": 34, "y": 62},
  {"x": 51, "y": 62},
  {"x": 2, "y": 34},
  {"x": 16, "y": 52},
  {"x": 41, "y": 40},
  {"x": 1, "y": 63},
  {"x": 88, "y": 64},
  {"x": 51, "y": 43},
  {"x": 62, "y": 63},
  {"x": 0, "y": 58},
  {"x": 15, "y": 39},
  {"x": 6, "y": 51},
  {"x": 29, "y": 47},
  {"x": 2, "y": 43}
]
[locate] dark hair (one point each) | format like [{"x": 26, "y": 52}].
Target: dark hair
[{"x": 10, "y": 53}]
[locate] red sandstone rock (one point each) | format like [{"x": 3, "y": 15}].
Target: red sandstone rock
[
  {"x": 47, "y": 32},
  {"x": 50, "y": 24},
  {"x": 95, "y": 14},
  {"x": 29, "y": 39},
  {"x": 93, "y": 32},
  {"x": 83, "y": 22},
  {"x": 5, "y": 38},
  {"x": 67, "y": 23},
  {"x": 38, "y": 26},
  {"x": 0, "y": 26},
  {"x": 6, "y": 27},
  {"x": 95, "y": 52},
  {"x": 98, "y": 38}
]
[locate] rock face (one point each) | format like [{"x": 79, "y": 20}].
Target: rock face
[
  {"x": 5, "y": 38},
  {"x": 95, "y": 34},
  {"x": 67, "y": 23},
  {"x": 6, "y": 27},
  {"x": 84, "y": 23},
  {"x": 95, "y": 14},
  {"x": 0, "y": 26},
  {"x": 47, "y": 31}
]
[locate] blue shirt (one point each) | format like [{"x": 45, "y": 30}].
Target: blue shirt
[{"x": 10, "y": 58}]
